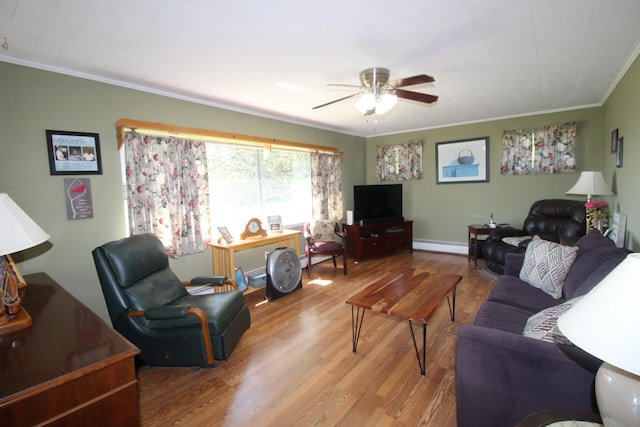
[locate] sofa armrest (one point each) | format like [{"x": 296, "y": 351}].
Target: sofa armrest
[
  {"x": 502, "y": 377},
  {"x": 513, "y": 264}
]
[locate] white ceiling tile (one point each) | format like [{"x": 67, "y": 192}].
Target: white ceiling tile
[
  {"x": 490, "y": 58},
  {"x": 45, "y": 19}
]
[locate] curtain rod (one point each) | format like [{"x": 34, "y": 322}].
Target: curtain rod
[{"x": 123, "y": 125}]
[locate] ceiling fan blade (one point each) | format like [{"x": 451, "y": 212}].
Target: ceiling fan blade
[
  {"x": 410, "y": 81},
  {"x": 343, "y": 85},
  {"x": 336, "y": 100},
  {"x": 416, "y": 96}
]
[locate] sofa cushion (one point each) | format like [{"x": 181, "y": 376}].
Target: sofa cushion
[
  {"x": 504, "y": 317},
  {"x": 324, "y": 231},
  {"x": 544, "y": 325},
  {"x": 546, "y": 265},
  {"x": 511, "y": 290},
  {"x": 596, "y": 257}
]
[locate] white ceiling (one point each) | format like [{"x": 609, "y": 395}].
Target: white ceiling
[{"x": 490, "y": 58}]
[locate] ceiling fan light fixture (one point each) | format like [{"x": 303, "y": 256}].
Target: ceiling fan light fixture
[
  {"x": 385, "y": 103},
  {"x": 366, "y": 103},
  {"x": 370, "y": 103}
]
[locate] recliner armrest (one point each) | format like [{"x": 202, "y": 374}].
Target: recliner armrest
[
  {"x": 497, "y": 234},
  {"x": 167, "y": 312},
  {"x": 209, "y": 280}
]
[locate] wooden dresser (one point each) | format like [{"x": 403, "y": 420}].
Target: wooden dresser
[{"x": 69, "y": 369}]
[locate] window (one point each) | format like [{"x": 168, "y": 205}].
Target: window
[
  {"x": 182, "y": 183},
  {"x": 247, "y": 182}
]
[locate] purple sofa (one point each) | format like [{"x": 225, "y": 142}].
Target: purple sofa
[{"x": 503, "y": 376}]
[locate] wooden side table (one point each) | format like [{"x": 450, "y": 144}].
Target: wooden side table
[
  {"x": 476, "y": 230},
  {"x": 223, "y": 254},
  {"x": 69, "y": 369}
]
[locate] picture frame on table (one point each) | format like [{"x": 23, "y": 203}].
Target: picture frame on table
[
  {"x": 225, "y": 234},
  {"x": 240, "y": 279},
  {"x": 275, "y": 223},
  {"x": 619, "y": 229},
  {"x": 463, "y": 161},
  {"x": 614, "y": 141},
  {"x": 73, "y": 153}
]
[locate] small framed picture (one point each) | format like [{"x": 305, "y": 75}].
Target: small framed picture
[
  {"x": 619, "y": 152},
  {"x": 614, "y": 141},
  {"x": 240, "y": 279},
  {"x": 225, "y": 234},
  {"x": 74, "y": 153},
  {"x": 462, "y": 161},
  {"x": 275, "y": 223}
]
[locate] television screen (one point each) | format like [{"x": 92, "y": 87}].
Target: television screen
[{"x": 377, "y": 203}]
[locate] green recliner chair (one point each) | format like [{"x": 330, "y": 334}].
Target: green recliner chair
[{"x": 151, "y": 307}]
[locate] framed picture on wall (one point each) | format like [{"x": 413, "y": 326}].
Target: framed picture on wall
[
  {"x": 462, "y": 161},
  {"x": 620, "y": 152},
  {"x": 614, "y": 140},
  {"x": 73, "y": 153}
]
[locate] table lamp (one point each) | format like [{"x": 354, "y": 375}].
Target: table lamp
[
  {"x": 605, "y": 323},
  {"x": 17, "y": 233},
  {"x": 591, "y": 183}
]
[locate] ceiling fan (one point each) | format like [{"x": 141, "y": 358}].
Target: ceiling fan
[{"x": 378, "y": 95}]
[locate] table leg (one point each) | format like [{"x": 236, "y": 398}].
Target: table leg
[
  {"x": 356, "y": 325},
  {"x": 422, "y": 362},
  {"x": 452, "y": 304}
]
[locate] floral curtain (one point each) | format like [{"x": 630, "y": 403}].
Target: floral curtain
[
  {"x": 547, "y": 150},
  {"x": 167, "y": 191},
  {"x": 399, "y": 162},
  {"x": 326, "y": 186}
]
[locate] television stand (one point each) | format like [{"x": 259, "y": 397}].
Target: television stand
[{"x": 373, "y": 239}]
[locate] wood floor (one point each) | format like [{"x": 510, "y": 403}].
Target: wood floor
[{"x": 295, "y": 367}]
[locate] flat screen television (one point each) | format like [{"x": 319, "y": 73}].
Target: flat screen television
[{"x": 377, "y": 203}]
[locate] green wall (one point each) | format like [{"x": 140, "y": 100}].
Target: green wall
[
  {"x": 621, "y": 112},
  {"x": 35, "y": 100},
  {"x": 441, "y": 212}
]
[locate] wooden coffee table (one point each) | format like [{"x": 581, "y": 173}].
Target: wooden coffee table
[{"x": 408, "y": 294}]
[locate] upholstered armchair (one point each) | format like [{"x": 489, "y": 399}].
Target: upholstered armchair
[
  {"x": 151, "y": 307},
  {"x": 557, "y": 220},
  {"x": 324, "y": 238}
]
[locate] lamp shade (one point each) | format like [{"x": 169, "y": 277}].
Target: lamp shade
[
  {"x": 605, "y": 322},
  {"x": 17, "y": 231},
  {"x": 591, "y": 183}
]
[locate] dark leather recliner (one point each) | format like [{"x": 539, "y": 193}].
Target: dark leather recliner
[
  {"x": 150, "y": 306},
  {"x": 557, "y": 220}
]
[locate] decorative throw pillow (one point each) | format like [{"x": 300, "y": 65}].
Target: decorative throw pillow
[
  {"x": 546, "y": 265},
  {"x": 544, "y": 325},
  {"x": 515, "y": 240},
  {"x": 324, "y": 231}
]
